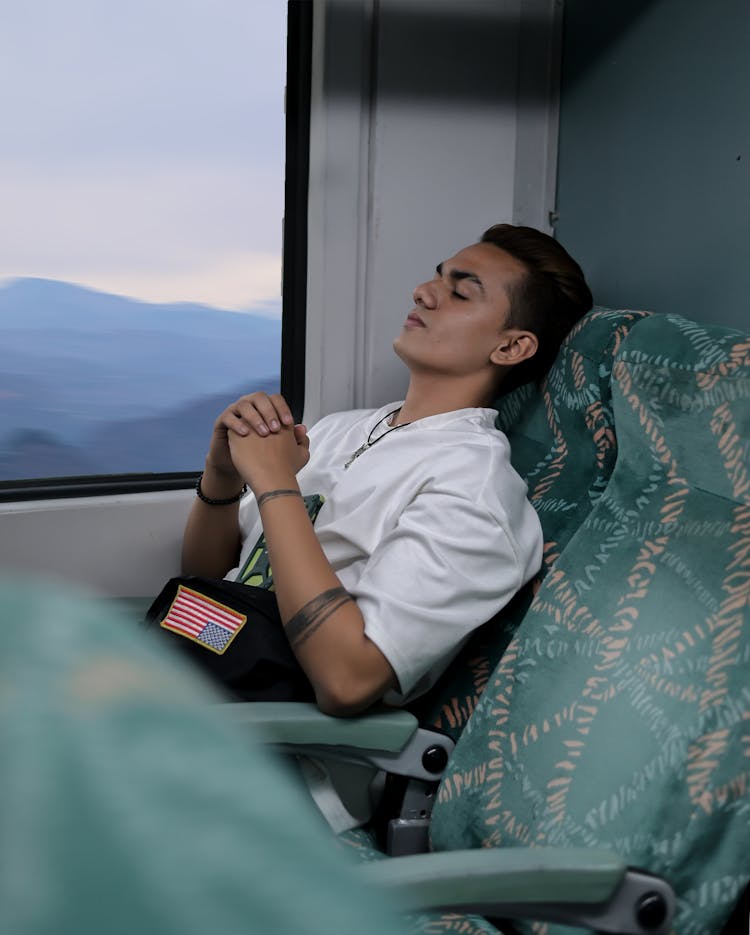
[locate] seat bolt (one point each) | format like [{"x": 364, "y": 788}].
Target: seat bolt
[
  {"x": 651, "y": 911},
  {"x": 435, "y": 759}
]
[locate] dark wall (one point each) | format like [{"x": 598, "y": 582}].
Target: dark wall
[{"x": 654, "y": 159}]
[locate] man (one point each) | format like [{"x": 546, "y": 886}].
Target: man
[{"x": 425, "y": 532}]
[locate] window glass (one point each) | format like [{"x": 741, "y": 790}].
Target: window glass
[{"x": 141, "y": 192}]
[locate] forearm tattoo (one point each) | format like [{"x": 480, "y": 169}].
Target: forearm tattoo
[
  {"x": 270, "y": 494},
  {"x": 314, "y": 614}
]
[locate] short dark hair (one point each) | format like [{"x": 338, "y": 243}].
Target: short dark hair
[{"x": 547, "y": 301}]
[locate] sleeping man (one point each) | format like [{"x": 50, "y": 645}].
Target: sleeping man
[{"x": 425, "y": 531}]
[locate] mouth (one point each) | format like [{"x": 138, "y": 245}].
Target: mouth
[{"x": 414, "y": 321}]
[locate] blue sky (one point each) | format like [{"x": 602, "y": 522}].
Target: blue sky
[{"x": 143, "y": 146}]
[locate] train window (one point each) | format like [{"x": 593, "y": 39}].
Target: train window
[{"x": 142, "y": 192}]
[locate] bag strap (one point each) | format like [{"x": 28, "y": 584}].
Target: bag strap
[{"x": 257, "y": 571}]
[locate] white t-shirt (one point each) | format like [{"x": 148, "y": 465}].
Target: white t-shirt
[{"x": 429, "y": 530}]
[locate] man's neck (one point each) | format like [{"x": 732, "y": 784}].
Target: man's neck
[{"x": 431, "y": 396}]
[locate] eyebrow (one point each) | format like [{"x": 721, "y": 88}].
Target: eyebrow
[{"x": 458, "y": 274}]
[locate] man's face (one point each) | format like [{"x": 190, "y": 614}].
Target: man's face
[{"x": 461, "y": 314}]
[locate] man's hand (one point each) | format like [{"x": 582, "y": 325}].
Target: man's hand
[
  {"x": 265, "y": 414},
  {"x": 211, "y": 543},
  {"x": 270, "y": 461},
  {"x": 257, "y": 413}
]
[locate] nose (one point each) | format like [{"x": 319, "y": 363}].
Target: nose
[{"x": 425, "y": 295}]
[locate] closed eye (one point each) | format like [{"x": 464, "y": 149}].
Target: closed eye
[{"x": 458, "y": 275}]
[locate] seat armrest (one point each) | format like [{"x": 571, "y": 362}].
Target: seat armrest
[
  {"x": 297, "y": 722},
  {"x": 585, "y": 887},
  {"x": 387, "y": 738}
]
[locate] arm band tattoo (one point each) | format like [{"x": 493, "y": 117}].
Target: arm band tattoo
[
  {"x": 314, "y": 614},
  {"x": 270, "y": 494}
]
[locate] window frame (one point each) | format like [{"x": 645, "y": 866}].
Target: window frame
[{"x": 296, "y": 189}]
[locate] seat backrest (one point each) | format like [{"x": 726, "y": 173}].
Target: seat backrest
[
  {"x": 563, "y": 444},
  {"x": 129, "y": 805},
  {"x": 619, "y": 715}
]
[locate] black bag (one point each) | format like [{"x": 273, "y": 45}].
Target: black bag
[{"x": 234, "y": 633}]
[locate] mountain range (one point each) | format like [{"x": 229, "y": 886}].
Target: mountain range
[{"x": 98, "y": 383}]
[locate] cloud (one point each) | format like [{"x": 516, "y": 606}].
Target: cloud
[
  {"x": 87, "y": 82},
  {"x": 236, "y": 282},
  {"x": 151, "y": 234},
  {"x": 240, "y": 282},
  {"x": 143, "y": 146}
]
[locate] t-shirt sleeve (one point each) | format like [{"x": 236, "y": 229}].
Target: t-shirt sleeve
[{"x": 447, "y": 566}]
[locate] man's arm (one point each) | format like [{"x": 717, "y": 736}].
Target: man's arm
[
  {"x": 323, "y": 623},
  {"x": 325, "y": 628},
  {"x": 211, "y": 542}
]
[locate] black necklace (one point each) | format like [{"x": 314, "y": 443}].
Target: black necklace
[{"x": 370, "y": 441}]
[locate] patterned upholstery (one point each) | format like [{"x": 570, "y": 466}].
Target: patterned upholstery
[
  {"x": 563, "y": 444},
  {"x": 619, "y": 716},
  {"x": 130, "y": 807}
]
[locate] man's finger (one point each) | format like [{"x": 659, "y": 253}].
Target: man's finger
[
  {"x": 231, "y": 420},
  {"x": 247, "y": 409},
  {"x": 283, "y": 410}
]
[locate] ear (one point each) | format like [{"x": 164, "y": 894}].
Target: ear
[{"x": 514, "y": 347}]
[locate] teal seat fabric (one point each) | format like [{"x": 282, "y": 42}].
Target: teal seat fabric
[
  {"x": 563, "y": 440},
  {"x": 129, "y": 806},
  {"x": 563, "y": 444},
  {"x": 619, "y": 715}
]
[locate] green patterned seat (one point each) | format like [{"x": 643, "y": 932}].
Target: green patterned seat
[
  {"x": 619, "y": 716},
  {"x": 130, "y": 806},
  {"x": 563, "y": 444}
]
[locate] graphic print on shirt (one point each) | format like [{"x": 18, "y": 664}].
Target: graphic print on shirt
[{"x": 257, "y": 569}]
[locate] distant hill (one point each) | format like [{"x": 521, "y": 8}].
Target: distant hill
[
  {"x": 43, "y": 304},
  {"x": 77, "y": 366},
  {"x": 29, "y": 454},
  {"x": 175, "y": 441}
]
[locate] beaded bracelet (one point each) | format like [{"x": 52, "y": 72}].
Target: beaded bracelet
[{"x": 211, "y": 502}]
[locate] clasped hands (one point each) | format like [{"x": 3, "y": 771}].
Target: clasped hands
[{"x": 256, "y": 437}]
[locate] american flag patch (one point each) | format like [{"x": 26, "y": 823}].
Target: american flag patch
[{"x": 203, "y": 620}]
